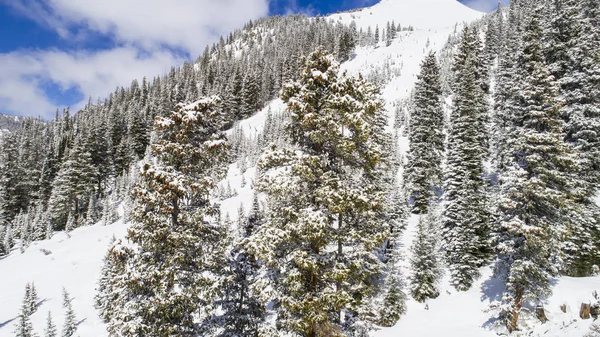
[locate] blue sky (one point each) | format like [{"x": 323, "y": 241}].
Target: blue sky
[{"x": 56, "y": 53}]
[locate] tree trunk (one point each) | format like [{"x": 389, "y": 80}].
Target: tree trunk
[
  {"x": 540, "y": 313},
  {"x": 512, "y": 325},
  {"x": 338, "y": 319},
  {"x": 585, "y": 310},
  {"x": 175, "y": 213}
]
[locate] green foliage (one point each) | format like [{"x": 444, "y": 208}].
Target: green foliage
[
  {"x": 424, "y": 262},
  {"x": 168, "y": 279},
  {"x": 465, "y": 225},
  {"x": 426, "y": 136},
  {"x": 319, "y": 239}
]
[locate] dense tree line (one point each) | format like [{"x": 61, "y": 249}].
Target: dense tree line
[
  {"x": 72, "y": 170},
  {"x": 532, "y": 207},
  {"x": 187, "y": 273}
]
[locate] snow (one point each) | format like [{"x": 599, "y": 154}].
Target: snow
[
  {"x": 253, "y": 125},
  {"x": 73, "y": 262},
  {"x": 245, "y": 194},
  {"x": 421, "y": 14},
  {"x": 466, "y": 314}
]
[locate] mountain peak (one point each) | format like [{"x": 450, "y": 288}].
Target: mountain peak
[{"x": 421, "y": 14}]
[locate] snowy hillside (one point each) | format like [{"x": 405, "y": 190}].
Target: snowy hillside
[
  {"x": 428, "y": 15},
  {"x": 468, "y": 314},
  {"x": 74, "y": 261}
]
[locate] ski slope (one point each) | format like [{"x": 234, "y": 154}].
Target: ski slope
[{"x": 75, "y": 262}]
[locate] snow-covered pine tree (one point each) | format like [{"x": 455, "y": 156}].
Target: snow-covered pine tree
[
  {"x": 73, "y": 184},
  {"x": 506, "y": 98},
  {"x": 12, "y": 188},
  {"x": 107, "y": 293},
  {"x": 70, "y": 324},
  {"x": 465, "y": 228},
  {"x": 3, "y": 232},
  {"x": 424, "y": 262},
  {"x": 8, "y": 242},
  {"x": 493, "y": 34},
  {"x": 172, "y": 270},
  {"x": 243, "y": 312},
  {"x": 326, "y": 202},
  {"x": 394, "y": 299},
  {"x": 539, "y": 187},
  {"x": 584, "y": 124},
  {"x": 33, "y": 299},
  {"x": 426, "y": 136},
  {"x": 250, "y": 95},
  {"x": 50, "y": 330},
  {"x": 24, "y": 327},
  {"x": 572, "y": 53}
]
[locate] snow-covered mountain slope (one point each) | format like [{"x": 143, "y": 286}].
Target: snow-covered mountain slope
[
  {"x": 70, "y": 261},
  {"x": 75, "y": 261},
  {"x": 421, "y": 14}
]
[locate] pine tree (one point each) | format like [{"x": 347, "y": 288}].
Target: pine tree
[
  {"x": 73, "y": 184},
  {"x": 539, "y": 187},
  {"x": 12, "y": 186},
  {"x": 70, "y": 324},
  {"x": 465, "y": 225},
  {"x": 243, "y": 312},
  {"x": 584, "y": 121},
  {"x": 50, "y": 330},
  {"x": 424, "y": 263},
  {"x": 32, "y": 297},
  {"x": 173, "y": 269},
  {"x": 112, "y": 273},
  {"x": 324, "y": 193},
  {"x": 506, "y": 100},
  {"x": 572, "y": 53},
  {"x": 250, "y": 96},
  {"x": 394, "y": 298},
  {"x": 24, "y": 327},
  {"x": 426, "y": 136}
]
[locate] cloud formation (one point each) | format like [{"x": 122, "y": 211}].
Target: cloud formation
[{"x": 149, "y": 36}]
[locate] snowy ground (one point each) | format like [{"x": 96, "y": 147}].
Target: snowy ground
[
  {"x": 75, "y": 262},
  {"x": 71, "y": 262},
  {"x": 467, "y": 314}
]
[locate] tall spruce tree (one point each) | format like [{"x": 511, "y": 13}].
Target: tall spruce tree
[
  {"x": 465, "y": 225},
  {"x": 573, "y": 61},
  {"x": 538, "y": 188},
  {"x": 424, "y": 261},
  {"x": 394, "y": 299},
  {"x": 506, "y": 99},
  {"x": 426, "y": 136},
  {"x": 320, "y": 236},
  {"x": 172, "y": 270}
]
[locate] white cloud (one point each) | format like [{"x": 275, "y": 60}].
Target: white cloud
[
  {"x": 23, "y": 75},
  {"x": 152, "y": 28},
  {"x": 183, "y": 24}
]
